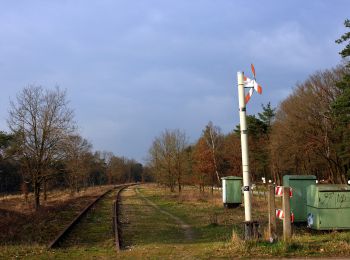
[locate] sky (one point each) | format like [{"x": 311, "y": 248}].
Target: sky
[{"x": 134, "y": 68}]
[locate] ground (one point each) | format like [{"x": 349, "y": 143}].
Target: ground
[{"x": 158, "y": 224}]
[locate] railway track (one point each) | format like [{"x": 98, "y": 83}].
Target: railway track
[{"x": 98, "y": 221}]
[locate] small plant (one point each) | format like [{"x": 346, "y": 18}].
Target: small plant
[
  {"x": 237, "y": 244},
  {"x": 214, "y": 219}
]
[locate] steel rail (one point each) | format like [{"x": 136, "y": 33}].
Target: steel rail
[
  {"x": 116, "y": 219},
  {"x": 55, "y": 242}
]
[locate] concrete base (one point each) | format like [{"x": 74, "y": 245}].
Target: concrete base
[
  {"x": 231, "y": 205},
  {"x": 251, "y": 230}
]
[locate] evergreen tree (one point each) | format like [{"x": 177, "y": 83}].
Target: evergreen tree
[
  {"x": 255, "y": 126},
  {"x": 341, "y": 106},
  {"x": 268, "y": 115},
  {"x": 258, "y": 136},
  {"x": 10, "y": 177},
  {"x": 5, "y": 140},
  {"x": 345, "y": 37}
]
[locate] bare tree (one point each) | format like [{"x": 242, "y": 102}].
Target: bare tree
[
  {"x": 180, "y": 144},
  {"x": 203, "y": 164},
  {"x": 214, "y": 139},
  {"x": 107, "y": 158},
  {"x": 168, "y": 158},
  {"x": 304, "y": 136},
  {"x": 41, "y": 119},
  {"x": 76, "y": 149},
  {"x": 118, "y": 169}
]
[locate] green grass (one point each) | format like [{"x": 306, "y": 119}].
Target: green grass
[
  {"x": 143, "y": 225},
  {"x": 200, "y": 213},
  {"x": 93, "y": 236},
  {"x": 95, "y": 229},
  {"x": 214, "y": 240},
  {"x": 148, "y": 233}
]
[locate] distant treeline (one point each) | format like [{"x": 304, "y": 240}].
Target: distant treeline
[
  {"x": 44, "y": 150},
  {"x": 308, "y": 133},
  {"x": 98, "y": 168}
]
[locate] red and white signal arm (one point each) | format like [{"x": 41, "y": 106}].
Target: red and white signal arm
[
  {"x": 252, "y": 85},
  {"x": 279, "y": 191}
]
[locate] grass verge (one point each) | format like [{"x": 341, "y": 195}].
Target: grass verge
[{"x": 214, "y": 225}]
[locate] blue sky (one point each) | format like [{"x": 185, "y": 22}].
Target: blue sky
[{"x": 135, "y": 68}]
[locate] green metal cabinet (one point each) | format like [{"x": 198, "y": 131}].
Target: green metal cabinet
[
  {"x": 231, "y": 191},
  {"x": 328, "y": 206},
  {"x": 299, "y": 184}
]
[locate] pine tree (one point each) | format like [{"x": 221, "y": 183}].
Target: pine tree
[
  {"x": 341, "y": 106},
  {"x": 267, "y": 115}
]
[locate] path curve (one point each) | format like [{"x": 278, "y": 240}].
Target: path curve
[{"x": 189, "y": 234}]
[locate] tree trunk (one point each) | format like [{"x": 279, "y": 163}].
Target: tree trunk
[
  {"x": 45, "y": 189},
  {"x": 25, "y": 191},
  {"x": 36, "y": 195},
  {"x": 179, "y": 184},
  {"x": 109, "y": 177}
]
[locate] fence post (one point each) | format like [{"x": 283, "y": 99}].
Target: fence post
[
  {"x": 115, "y": 224},
  {"x": 113, "y": 217},
  {"x": 272, "y": 213},
  {"x": 287, "y": 227}
]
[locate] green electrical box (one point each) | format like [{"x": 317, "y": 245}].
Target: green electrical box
[
  {"x": 299, "y": 184},
  {"x": 231, "y": 191},
  {"x": 328, "y": 206}
]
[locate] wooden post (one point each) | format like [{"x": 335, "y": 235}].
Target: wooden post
[
  {"x": 287, "y": 227},
  {"x": 113, "y": 217},
  {"x": 272, "y": 213},
  {"x": 115, "y": 224}
]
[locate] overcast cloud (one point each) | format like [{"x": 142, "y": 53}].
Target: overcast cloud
[{"x": 135, "y": 68}]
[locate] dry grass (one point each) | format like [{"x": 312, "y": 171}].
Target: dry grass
[
  {"x": 214, "y": 224},
  {"x": 18, "y": 204},
  {"x": 190, "y": 194},
  {"x": 21, "y": 224}
]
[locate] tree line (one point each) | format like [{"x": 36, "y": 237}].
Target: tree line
[
  {"x": 44, "y": 149},
  {"x": 307, "y": 133}
]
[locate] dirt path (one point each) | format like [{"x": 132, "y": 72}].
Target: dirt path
[{"x": 189, "y": 234}]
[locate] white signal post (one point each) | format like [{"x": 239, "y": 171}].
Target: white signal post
[
  {"x": 244, "y": 144},
  {"x": 250, "y": 226}
]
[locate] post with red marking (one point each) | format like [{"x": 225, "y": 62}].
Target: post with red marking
[
  {"x": 287, "y": 227},
  {"x": 272, "y": 214}
]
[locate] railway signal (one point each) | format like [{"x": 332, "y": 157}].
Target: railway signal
[{"x": 251, "y": 85}]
